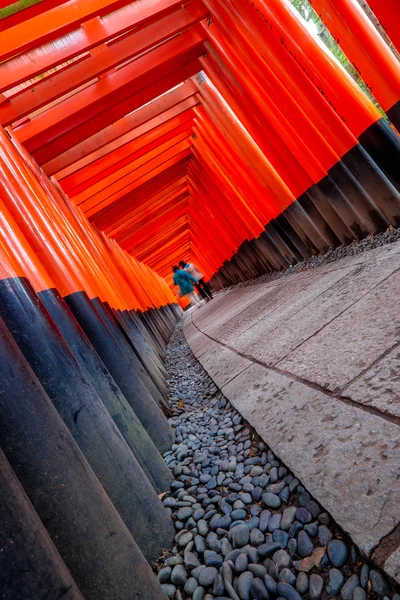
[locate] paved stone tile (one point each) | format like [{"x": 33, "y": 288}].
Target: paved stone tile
[
  {"x": 392, "y": 565},
  {"x": 294, "y": 297},
  {"x": 380, "y": 385},
  {"x": 348, "y": 459},
  {"x": 224, "y": 365},
  {"x": 352, "y": 342},
  {"x": 281, "y": 332}
]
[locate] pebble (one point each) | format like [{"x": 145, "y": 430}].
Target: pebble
[
  {"x": 271, "y": 500},
  {"x": 316, "y": 586},
  {"x": 282, "y": 559},
  {"x": 244, "y": 584},
  {"x": 258, "y": 590},
  {"x": 240, "y": 536},
  {"x": 287, "y": 591},
  {"x": 349, "y": 587},
  {"x": 164, "y": 574},
  {"x": 304, "y": 544},
  {"x": 379, "y": 584},
  {"x": 359, "y": 594},
  {"x": 169, "y": 589},
  {"x": 337, "y": 553},
  {"x": 270, "y": 584},
  {"x": 302, "y": 583},
  {"x": 364, "y": 575},
  {"x": 199, "y": 593},
  {"x": 240, "y": 517},
  {"x": 207, "y": 576},
  {"x": 190, "y": 586},
  {"x": 335, "y": 582},
  {"x": 288, "y": 517},
  {"x": 287, "y": 576}
]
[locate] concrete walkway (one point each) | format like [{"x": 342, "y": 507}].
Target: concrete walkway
[{"x": 312, "y": 361}]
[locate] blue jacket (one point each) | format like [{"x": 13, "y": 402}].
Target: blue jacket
[{"x": 185, "y": 281}]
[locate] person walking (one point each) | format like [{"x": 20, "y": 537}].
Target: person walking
[
  {"x": 202, "y": 287},
  {"x": 186, "y": 283}
]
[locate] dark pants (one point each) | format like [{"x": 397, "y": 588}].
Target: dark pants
[{"x": 204, "y": 289}]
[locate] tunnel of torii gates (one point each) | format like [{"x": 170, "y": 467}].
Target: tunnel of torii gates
[{"x": 134, "y": 135}]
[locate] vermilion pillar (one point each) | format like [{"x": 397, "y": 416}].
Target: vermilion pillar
[
  {"x": 74, "y": 271},
  {"x": 388, "y": 14},
  {"x": 366, "y": 50}
]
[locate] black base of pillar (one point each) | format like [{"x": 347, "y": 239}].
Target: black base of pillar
[
  {"x": 31, "y": 567},
  {"x": 122, "y": 414},
  {"x": 118, "y": 363},
  {"x": 89, "y": 534},
  {"x": 85, "y": 416}
]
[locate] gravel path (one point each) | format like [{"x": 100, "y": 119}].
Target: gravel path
[
  {"x": 371, "y": 242},
  {"x": 245, "y": 526}
]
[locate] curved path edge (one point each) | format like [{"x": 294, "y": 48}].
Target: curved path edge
[{"x": 334, "y": 422}]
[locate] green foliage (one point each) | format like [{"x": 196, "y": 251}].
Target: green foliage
[
  {"x": 308, "y": 13},
  {"x": 12, "y": 9}
]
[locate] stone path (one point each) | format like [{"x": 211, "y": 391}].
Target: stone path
[
  {"x": 312, "y": 363},
  {"x": 246, "y": 527}
]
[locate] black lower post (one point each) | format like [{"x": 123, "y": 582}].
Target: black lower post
[
  {"x": 85, "y": 416},
  {"x": 117, "y": 362},
  {"x": 31, "y": 567},
  {"x": 122, "y": 414},
  {"x": 89, "y": 534}
]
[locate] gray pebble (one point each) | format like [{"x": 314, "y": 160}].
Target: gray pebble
[
  {"x": 212, "y": 559},
  {"x": 359, "y": 594},
  {"x": 302, "y": 583},
  {"x": 164, "y": 574},
  {"x": 379, "y": 584},
  {"x": 190, "y": 586},
  {"x": 191, "y": 560},
  {"x": 199, "y": 593},
  {"x": 270, "y": 584},
  {"x": 256, "y": 537},
  {"x": 257, "y": 570},
  {"x": 241, "y": 563},
  {"x": 286, "y": 575},
  {"x": 173, "y": 560},
  {"x": 169, "y": 589},
  {"x": 244, "y": 584},
  {"x": 282, "y": 559},
  {"x": 316, "y": 586},
  {"x": 240, "y": 536},
  {"x": 207, "y": 576},
  {"x": 304, "y": 544},
  {"x": 288, "y": 517},
  {"x": 338, "y": 553},
  {"x": 288, "y": 592},
  {"x": 271, "y": 500},
  {"x": 258, "y": 590},
  {"x": 364, "y": 575},
  {"x": 349, "y": 587},
  {"x": 335, "y": 582}
]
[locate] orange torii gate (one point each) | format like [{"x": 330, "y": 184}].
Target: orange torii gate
[{"x": 135, "y": 134}]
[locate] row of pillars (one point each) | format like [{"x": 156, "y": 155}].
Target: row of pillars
[
  {"x": 83, "y": 401},
  {"x": 309, "y": 153}
]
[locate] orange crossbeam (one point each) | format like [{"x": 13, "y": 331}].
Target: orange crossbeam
[
  {"x": 90, "y": 34},
  {"x": 154, "y": 181},
  {"x": 104, "y": 185},
  {"x": 112, "y": 220},
  {"x": 118, "y": 157},
  {"x": 117, "y": 188},
  {"x": 54, "y": 23},
  {"x": 87, "y": 124},
  {"x": 128, "y": 128},
  {"x": 46, "y": 91},
  {"x": 104, "y": 94}
]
